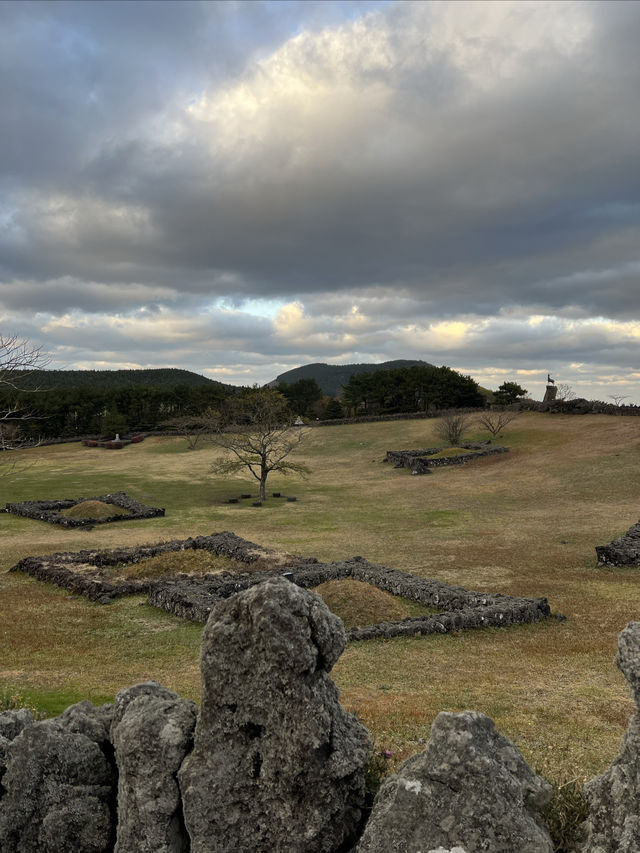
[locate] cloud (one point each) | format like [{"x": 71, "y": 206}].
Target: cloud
[{"x": 453, "y": 181}]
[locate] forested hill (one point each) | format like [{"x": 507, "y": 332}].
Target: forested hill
[
  {"x": 70, "y": 403},
  {"x": 331, "y": 377},
  {"x": 164, "y": 377}
]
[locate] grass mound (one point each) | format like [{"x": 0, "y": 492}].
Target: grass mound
[
  {"x": 359, "y": 604},
  {"x": 190, "y": 562},
  {"x": 94, "y": 509}
]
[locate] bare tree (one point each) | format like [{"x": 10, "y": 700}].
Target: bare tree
[
  {"x": 452, "y": 425},
  {"x": 564, "y": 392},
  {"x": 196, "y": 429},
  {"x": 618, "y": 398},
  {"x": 495, "y": 420},
  {"x": 258, "y": 434},
  {"x": 18, "y": 358}
]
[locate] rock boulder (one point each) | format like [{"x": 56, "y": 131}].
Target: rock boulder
[
  {"x": 58, "y": 792},
  {"x": 613, "y": 825},
  {"x": 277, "y": 764},
  {"x": 152, "y": 731},
  {"x": 471, "y": 789}
]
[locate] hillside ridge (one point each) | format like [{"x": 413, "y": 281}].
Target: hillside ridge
[
  {"x": 331, "y": 377},
  {"x": 161, "y": 377}
]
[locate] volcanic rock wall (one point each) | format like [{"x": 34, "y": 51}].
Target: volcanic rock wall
[
  {"x": 273, "y": 764},
  {"x": 624, "y": 551}
]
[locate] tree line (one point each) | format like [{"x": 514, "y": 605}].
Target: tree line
[
  {"x": 72, "y": 412},
  {"x": 419, "y": 388},
  {"x": 32, "y": 408},
  {"x": 410, "y": 389}
]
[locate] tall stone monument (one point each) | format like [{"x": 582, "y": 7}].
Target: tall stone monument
[{"x": 550, "y": 391}]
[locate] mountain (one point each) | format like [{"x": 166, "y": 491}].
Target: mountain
[
  {"x": 163, "y": 377},
  {"x": 331, "y": 377}
]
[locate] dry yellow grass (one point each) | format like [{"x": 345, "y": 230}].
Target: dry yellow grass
[
  {"x": 93, "y": 509},
  {"x": 525, "y": 523},
  {"x": 178, "y": 562},
  {"x": 359, "y": 604}
]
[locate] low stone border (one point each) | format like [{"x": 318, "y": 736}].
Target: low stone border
[
  {"x": 462, "y": 609},
  {"x": 50, "y": 511},
  {"x": 193, "y": 597},
  {"x": 82, "y": 571},
  {"x": 420, "y": 461},
  {"x": 624, "y": 551}
]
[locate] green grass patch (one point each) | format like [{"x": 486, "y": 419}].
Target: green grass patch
[{"x": 47, "y": 703}]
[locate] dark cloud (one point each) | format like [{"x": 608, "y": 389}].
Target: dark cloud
[{"x": 421, "y": 163}]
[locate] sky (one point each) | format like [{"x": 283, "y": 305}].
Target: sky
[{"x": 239, "y": 188}]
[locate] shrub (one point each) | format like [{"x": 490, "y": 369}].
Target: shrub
[
  {"x": 375, "y": 770},
  {"x": 565, "y": 816},
  {"x": 494, "y": 421},
  {"x": 10, "y": 701},
  {"x": 452, "y": 425}
]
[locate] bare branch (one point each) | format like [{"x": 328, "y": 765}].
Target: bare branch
[
  {"x": 196, "y": 429},
  {"x": 564, "y": 392},
  {"x": 495, "y": 420},
  {"x": 452, "y": 425},
  {"x": 618, "y": 398},
  {"x": 18, "y": 359}
]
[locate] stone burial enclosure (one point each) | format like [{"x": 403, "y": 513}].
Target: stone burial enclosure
[
  {"x": 460, "y": 609},
  {"x": 51, "y": 511},
  {"x": 88, "y": 572},
  {"x": 422, "y": 461},
  {"x": 624, "y": 551},
  {"x": 193, "y": 597},
  {"x": 272, "y": 763}
]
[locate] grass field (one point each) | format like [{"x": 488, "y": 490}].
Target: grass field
[{"x": 524, "y": 523}]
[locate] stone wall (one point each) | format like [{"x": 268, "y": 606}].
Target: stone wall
[
  {"x": 272, "y": 763},
  {"x": 51, "y": 511},
  {"x": 578, "y": 406},
  {"x": 624, "y": 551},
  {"x": 82, "y": 571},
  {"x": 420, "y": 461},
  {"x": 461, "y": 609},
  {"x": 194, "y": 597}
]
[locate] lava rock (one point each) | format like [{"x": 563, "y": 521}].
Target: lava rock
[
  {"x": 470, "y": 788},
  {"x": 277, "y": 764},
  {"x": 58, "y": 790},
  {"x": 13, "y": 722},
  {"x": 152, "y": 732},
  {"x": 613, "y": 825}
]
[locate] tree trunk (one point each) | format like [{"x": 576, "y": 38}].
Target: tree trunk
[{"x": 263, "y": 485}]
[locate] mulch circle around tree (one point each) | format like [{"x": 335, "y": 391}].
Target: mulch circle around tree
[{"x": 257, "y": 502}]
